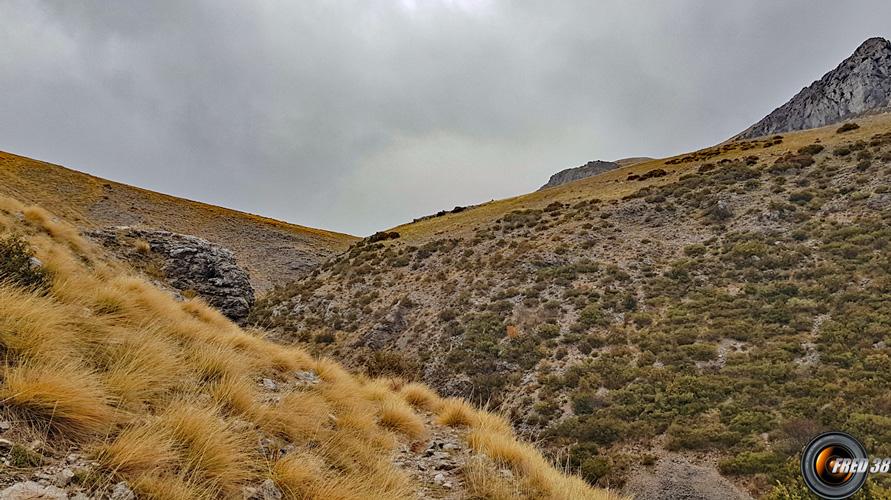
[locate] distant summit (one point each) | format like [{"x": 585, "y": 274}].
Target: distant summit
[
  {"x": 861, "y": 84},
  {"x": 573, "y": 174}
]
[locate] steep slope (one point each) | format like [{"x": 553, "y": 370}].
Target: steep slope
[
  {"x": 270, "y": 250},
  {"x": 573, "y": 174},
  {"x": 111, "y": 387},
  {"x": 860, "y": 84},
  {"x": 698, "y": 306}
]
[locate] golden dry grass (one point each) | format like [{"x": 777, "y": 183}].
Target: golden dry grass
[
  {"x": 455, "y": 413},
  {"x": 167, "y": 394},
  {"x": 398, "y": 416},
  {"x": 421, "y": 397},
  {"x": 64, "y": 400},
  {"x": 484, "y": 480}
]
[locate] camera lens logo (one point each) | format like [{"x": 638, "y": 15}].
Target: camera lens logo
[{"x": 834, "y": 465}]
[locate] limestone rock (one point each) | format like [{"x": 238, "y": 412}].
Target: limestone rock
[
  {"x": 187, "y": 263},
  {"x": 122, "y": 491},
  {"x": 30, "y": 490},
  {"x": 589, "y": 169},
  {"x": 266, "y": 491},
  {"x": 861, "y": 84}
]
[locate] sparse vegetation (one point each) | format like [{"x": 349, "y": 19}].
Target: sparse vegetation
[
  {"x": 707, "y": 310},
  {"x": 180, "y": 403}
]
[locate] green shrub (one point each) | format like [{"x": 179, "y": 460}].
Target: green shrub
[
  {"x": 548, "y": 331},
  {"x": 695, "y": 250},
  {"x": 592, "y": 315},
  {"x": 18, "y": 265},
  {"x": 585, "y": 402},
  {"x": 21, "y": 457},
  {"x": 391, "y": 364},
  {"x": 750, "y": 462},
  {"x": 811, "y": 149},
  {"x": 594, "y": 468},
  {"x": 801, "y": 197},
  {"x": 693, "y": 435}
]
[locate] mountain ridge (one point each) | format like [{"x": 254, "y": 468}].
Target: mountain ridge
[
  {"x": 573, "y": 174},
  {"x": 859, "y": 85}
]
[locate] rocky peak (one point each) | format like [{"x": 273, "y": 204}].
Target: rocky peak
[
  {"x": 573, "y": 174},
  {"x": 861, "y": 84}
]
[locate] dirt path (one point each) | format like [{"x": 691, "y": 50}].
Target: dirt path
[
  {"x": 676, "y": 476},
  {"x": 436, "y": 468}
]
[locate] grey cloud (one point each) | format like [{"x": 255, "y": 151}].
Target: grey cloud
[{"x": 359, "y": 115}]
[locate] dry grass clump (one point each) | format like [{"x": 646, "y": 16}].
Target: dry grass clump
[
  {"x": 455, "y": 413},
  {"x": 421, "y": 397},
  {"x": 305, "y": 476},
  {"x": 168, "y": 396},
  {"x": 64, "y": 400},
  {"x": 397, "y": 416},
  {"x": 142, "y": 247},
  {"x": 484, "y": 480},
  {"x": 533, "y": 476},
  {"x": 534, "y": 472}
]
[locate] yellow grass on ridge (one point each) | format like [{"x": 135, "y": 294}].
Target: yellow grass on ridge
[{"x": 613, "y": 185}]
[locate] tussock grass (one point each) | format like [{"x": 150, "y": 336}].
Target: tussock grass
[
  {"x": 64, "y": 400},
  {"x": 167, "y": 395},
  {"x": 396, "y": 415},
  {"x": 533, "y": 470},
  {"x": 455, "y": 413},
  {"x": 421, "y": 397},
  {"x": 484, "y": 480}
]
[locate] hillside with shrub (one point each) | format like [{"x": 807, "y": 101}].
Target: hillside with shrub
[
  {"x": 111, "y": 388},
  {"x": 723, "y": 306},
  {"x": 270, "y": 250}
]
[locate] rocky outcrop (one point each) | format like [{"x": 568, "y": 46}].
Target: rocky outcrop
[
  {"x": 860, "y": 85},
  {"x": 187, "y": 263},
  {"x": 573, "y": 174}
]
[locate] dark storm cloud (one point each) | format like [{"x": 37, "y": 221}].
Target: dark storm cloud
[{"x": 358, "y": 115}]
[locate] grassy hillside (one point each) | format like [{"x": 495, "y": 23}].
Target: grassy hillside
[
  {"x": 267, "y": 248},
  {"x": 614, "y": 185},
  {"x": 110, "y": 384},
  {"x": 721, "y": 306}
]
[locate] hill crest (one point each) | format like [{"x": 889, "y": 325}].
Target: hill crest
[{"x": 271, "y": 251}]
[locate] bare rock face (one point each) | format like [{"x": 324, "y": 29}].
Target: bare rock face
[
  {"x": 187, "y": 263},
  {"x": 589, "y": 169},
  {"x": 30, "y": 490},
  {"x": 860, "y": 85}
]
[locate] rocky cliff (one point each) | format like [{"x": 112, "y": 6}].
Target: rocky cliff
[
  {"x": 861, "y": 84},
  {"x": 573, "y": 174},
  {"x": 187, "y": 263}
]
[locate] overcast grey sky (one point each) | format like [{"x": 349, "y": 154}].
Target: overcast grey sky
[{"x": 359, "y": 115}]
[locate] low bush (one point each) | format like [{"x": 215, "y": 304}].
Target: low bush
[
  {"x": 847, "y": 127},
  {"x": 18, "y": 264},
  {"x": 382, "y": 236},
  {"x": 750, "y": 462},
  {"x": 811, "y": 149}
]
